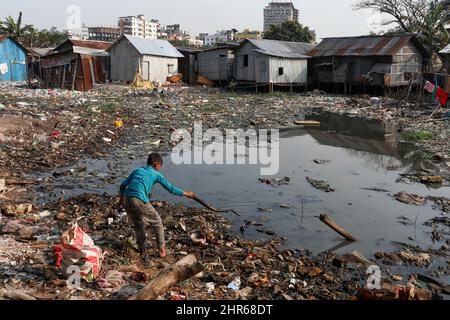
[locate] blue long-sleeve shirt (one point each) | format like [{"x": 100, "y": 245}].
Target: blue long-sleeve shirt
[{"x": 140, "y": 183}]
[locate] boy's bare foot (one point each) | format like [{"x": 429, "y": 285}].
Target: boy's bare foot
[{"x": 163, "y": 252}]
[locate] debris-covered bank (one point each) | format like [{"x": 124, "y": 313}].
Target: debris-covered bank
[{"x": 66, "y": 126}]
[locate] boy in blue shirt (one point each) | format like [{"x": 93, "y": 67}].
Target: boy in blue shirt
[{"x": 134, "y": 196}]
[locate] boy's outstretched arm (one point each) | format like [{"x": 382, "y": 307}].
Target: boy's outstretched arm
[
  {"x": 190, "y": 195},
  {"x": 172, "y": 189}
]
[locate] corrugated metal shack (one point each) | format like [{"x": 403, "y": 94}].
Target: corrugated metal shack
[
  {"x": 446, "y": 54},
  {"x": 217, "y": 64},
  {"x": 272, "y": 62},
  {"x": 76, "y": 65},
  {"x": 187, "y": 65},
  {"x": 34, "y": 60},
  {"x": 155, "y": 59},
  {"x": 13, "y": 60},
  {"x": 385, "y": 61}
]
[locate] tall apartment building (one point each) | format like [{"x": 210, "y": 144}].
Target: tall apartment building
[
  {"x": 173, "y": 30},
  {"x": 278, "y": 12},
  {"x": 138, "y": 27}
]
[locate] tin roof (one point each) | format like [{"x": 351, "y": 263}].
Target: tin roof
[
  {"x": 86, "y": 47},
  {"x": 100, "y": 45},
  {"x": 153, "y": 47},
  {"x": 217, "y": 48},
  {"x": 3, "y": 37},
  {"x": 363, "y": 46},
  {"x": 283, "y": 49},
  {"x": 39, "y": 52}
]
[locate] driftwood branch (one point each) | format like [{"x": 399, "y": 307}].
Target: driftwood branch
[
  {"x": 333, "y": 225},
  {"x": 182, "y": 270},
  {"x": 14, "y": 294}
]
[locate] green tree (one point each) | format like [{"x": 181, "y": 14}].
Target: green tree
[
  {"x": 30, "y": 36},
  {"x": 44, "y": 38},
  {"x": 425, "y": 18},
  {"x": 289, "y": 31},
  {"x": 14, "y": 28}
]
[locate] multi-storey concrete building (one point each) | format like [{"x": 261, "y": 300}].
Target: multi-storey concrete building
[
  {"x": 224, "y": 36},
  {"x": 173, "y": 30},
  {"x": 247, "y": 34},
  {"x": 110, "y": 34},
  {"x": 278, "y": 12},
  {"x": 138, "y": 27}
]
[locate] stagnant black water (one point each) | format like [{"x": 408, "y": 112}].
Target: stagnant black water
[{"x": 362, "y": 154}]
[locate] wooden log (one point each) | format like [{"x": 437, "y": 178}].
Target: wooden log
[
  {"x": 182, "y": 270},
  {"x": 307, "y": 123},
  {"x": 333, "y": 225},
  {"x": 14, "y": 294}
]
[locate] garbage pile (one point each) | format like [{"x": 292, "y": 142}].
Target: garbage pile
[
  {"x": 232, "y": 268},
  {"x": 56, "y": 126},
  {"x": 48, "y": 129}
]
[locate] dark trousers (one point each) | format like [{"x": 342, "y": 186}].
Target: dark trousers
[{"x": 142, "y": 215}]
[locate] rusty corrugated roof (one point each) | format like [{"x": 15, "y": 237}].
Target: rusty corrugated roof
[
  {"x": 101, "y": 45},
  {"x": 361, "y": 46},
  {"x": 88, "y": 47}
]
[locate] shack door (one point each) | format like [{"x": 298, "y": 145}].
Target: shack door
[{"x": 146, "y": 70}]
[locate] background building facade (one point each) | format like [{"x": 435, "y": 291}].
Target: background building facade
[
  {"x": 278, "y": 12},
  {"x": 110, "y": 34},
  {"x": 138, "y": 27}
]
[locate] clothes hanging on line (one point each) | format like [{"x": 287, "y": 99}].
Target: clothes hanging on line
[
  {"x": 429, "y": 87},
  {"x": 443, "y": 96},
  {"x": 434, "y": 97}
]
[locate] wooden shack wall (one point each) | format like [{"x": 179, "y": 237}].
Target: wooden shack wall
[
  {"x": 407, "y": 64},
  {"x": 216, "y": 65},
  {"x": 295, "y": 71},
  {"x": 188, "y": 66},
  {"x": 157, "y": 69},
  {"x": 242, "y": 72},
  {"x": 125, "y": 61},
  {"x": 14, "y": 57}
]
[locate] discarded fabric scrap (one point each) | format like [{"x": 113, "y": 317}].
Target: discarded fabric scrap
[{"x": 429, "y": 87}]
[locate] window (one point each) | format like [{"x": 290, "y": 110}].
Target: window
[
  {"x": 246, "y": 60},
  {"x": 170, "y": 68},
  {"x": 280, "y": 71}
]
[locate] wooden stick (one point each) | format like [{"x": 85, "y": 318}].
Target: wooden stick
[
  {"x": 182, "y": 270},
  {"x": 14, "y": 294},
  {"x": 333, "y": 225}
]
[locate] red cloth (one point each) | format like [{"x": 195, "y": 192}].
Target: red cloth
[{"x": 443, "y": 96}]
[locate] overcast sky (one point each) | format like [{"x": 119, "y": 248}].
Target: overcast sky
[{"x": 328, "y": 17}]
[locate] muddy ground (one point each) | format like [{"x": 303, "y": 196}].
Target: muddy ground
[{"x": 44, "y": 130}]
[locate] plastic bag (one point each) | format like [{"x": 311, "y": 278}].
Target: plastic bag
[{"x": 78, "y": 253}]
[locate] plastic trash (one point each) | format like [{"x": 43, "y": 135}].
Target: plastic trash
[
  {"x": 55, "y": 134},
  {"x": 78, "y": 250},
  {"x": 210, "y": 287},
  {"x": 118, "y": 124},
  {"x": 235, "y": 284}
]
